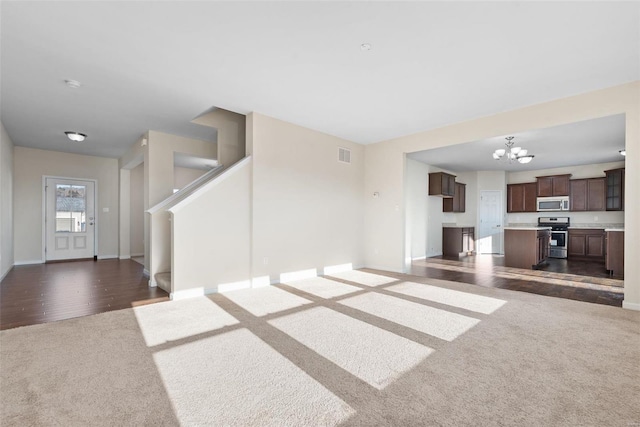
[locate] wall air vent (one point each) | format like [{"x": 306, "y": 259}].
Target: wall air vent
[{"x": 344, "y": 155}]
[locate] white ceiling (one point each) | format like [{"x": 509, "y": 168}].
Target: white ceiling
[
  {"x": 157, "y": 65},
  {"x": 581, "y": 143}
]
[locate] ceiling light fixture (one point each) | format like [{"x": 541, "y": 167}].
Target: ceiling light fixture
[
  {"x": 75, "y": 136},
  {"x": 623, "y": 152},
  {"x": 365, "y": 46},
  {"x": 511, "y": 153}
]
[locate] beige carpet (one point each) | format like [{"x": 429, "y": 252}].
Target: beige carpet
[{"x": 358, "y": 349}]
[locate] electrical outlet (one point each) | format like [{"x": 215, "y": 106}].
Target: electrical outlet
[{"x": 265, "y": 261}]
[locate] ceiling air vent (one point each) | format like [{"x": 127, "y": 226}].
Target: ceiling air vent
[{"x": 344, "y": 155}]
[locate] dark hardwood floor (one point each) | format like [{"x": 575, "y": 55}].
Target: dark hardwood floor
[
  {"x": 42, "y": 293},
  {"x": 558, "y": 278}
]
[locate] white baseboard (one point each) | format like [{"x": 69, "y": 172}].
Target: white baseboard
[
  {"x": 125, "y": 257},
  {"x": 145, "y": 273},
  {"x": 136, "y": 255},
  {"x": 101, "y": 257},
  {"x": 631, "y": 305},
  {"x": 5, "y": 273},
  {"x": 376, "y": 267},
  {"x": 35, "y": 261},
  {"x": 187, "y": 293}
]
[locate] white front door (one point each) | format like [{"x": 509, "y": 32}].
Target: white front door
[
  {"x": 490, "y": 236},
  {"x": 69, "y": 219}
]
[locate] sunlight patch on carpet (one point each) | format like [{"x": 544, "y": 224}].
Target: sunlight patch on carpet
[
  {"x": 364, "y": 278},
  {"x": 173, "y": 320},
  {"x": 323, "y": 288},
  {"x": 237, "y": 379},
  {"x": 435, "y": 322},
  {"x": 468, "y": 301},
  {"x": 263, "y": 301},
  {"x": 374, "y": 355}
]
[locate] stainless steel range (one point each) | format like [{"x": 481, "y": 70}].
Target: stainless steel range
[{"x": 559, "y": 230}]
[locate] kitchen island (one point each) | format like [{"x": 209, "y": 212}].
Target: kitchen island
[{"x": 526, "y": 247}]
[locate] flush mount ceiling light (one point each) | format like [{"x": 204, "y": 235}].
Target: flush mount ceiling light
[
  {"x": 75, "y": 136},
  {"x": 365, "y": 46},
  {"x": 511, "y": 153},
  {"x": 623, "y": 152}
]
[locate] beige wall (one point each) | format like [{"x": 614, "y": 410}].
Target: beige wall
[
  {"x": 384, "y": 172},
  {"x": 307, "y": 207},
  {"x": 212, "y": 240},
  {"x": 231, "y": 129},
  {"x": 6, "y": 202},
  {"x": 184, "y": 176},
  {"x": 30, "y": 165},
  {"x": 136, "y": 215}
]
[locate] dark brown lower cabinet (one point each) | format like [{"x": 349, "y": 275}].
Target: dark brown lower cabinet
[
  {"x": 614, "y": 249},
  {"x": 526, "y": 248},
  {"x": 586, "y": 244},
  {"x": 457, "y": 241}
]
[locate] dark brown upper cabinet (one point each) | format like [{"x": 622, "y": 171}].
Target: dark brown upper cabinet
[
  {"x": 522, "y": 197},
  {"x": 556, "y": 185},
  {"x": 458, "y": 202},
  {"x": 588, "y": 194},
  {"x": 442, "y": 184},
  {"x": 615, "y": 189}
]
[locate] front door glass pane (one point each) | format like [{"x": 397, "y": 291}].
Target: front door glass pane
[{"x": 71, "y": 208}]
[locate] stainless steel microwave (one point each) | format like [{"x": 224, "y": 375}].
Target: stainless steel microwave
[{"x": 553, "y": 204}]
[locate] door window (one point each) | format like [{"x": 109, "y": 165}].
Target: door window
[{"x": 71, "y": 208}]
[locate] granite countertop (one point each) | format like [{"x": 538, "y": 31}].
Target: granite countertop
[
  {"x": 614, "y": 229},
  {"x": 527, "y": 228},
  {"x": 585, "y": 227}
]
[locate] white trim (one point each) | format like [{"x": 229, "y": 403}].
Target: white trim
[
  {"x": 373, "y": 267},
  {"x": 136, "y": 255},
  {"x": 145, "y": 273},
  {"x": 35, "y": 261},
  {"x": 5, "y": 273},
  {"x": 187, "y": 293},
  {"x": 101, "y": 257},
  {"x": 631, "y": 305},
  {"x": 125, "y": 257}
]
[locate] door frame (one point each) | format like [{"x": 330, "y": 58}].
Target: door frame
[
  {"x": 44, "y": 212},
  {"x": 502, "y": 218}
]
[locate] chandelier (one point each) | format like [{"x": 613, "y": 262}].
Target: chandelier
[{"x": 511, "y": 153}]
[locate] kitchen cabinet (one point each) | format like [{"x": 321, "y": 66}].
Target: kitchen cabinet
[
  {"x": 615, "y": 189},
  {"x": 614, "y": 253},
  {"x": 588, "y": 194},
  {"x": 442, "y": 184},
  {"x": 457, "y": 241},
  {"x": 522, "y": 197},
  {"x": 555, "y": 185},
  {"x": 457, "y": 203},
  {"x": 586, "y": 244},
  {"x": 526, "y": 247}
]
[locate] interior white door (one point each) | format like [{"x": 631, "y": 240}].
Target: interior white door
[
  {"x": 490, "y": 212},
  {"x": 69, "y": 219}
]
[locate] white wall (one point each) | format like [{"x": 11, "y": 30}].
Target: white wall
[
  {"x": 212, "y": 240},
  {"x": 384, "y": 226},
  {"x": 136, "y": 215},
  {"x": 307, "y": 207},
  {"x": 601, "y": 218},
  {"x": 6, "y": 202},
  {"x": 29, "y": 167},
  {"x": 417, "y": 190}
]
